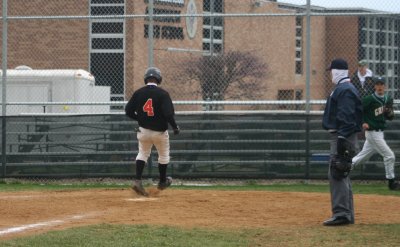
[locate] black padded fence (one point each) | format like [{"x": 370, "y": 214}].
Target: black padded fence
[{"x": 269, "y": 145}]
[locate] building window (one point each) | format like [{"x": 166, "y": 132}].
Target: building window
[
  {"x": 299, "y": 51},
  {"x": 288, "y": 95},
  {"x": 107, "y": 46},
  {"x": 379, "y": 41},
  {"x": 213, "y": 28},
  {"x": 299, "y": 67},
  {"x": 285, "y": 95}
]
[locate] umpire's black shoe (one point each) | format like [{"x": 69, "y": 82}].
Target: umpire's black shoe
[
  {"x": 336, "y": 221},
  {"x": 394, "y": 185},
  {"x": 164, "y": 185}
]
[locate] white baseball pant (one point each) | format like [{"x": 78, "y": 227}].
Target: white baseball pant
[
  {"x": 147, "y": 138},
  {"x": 375, "y": 143}
]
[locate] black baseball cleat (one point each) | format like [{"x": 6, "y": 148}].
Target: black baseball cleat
[
  {"x": 164, "y": 185},
  {"x": 138, "y": 188},
  {"x": 337, "y": 221},
  {"x": 394, "y": 186}
]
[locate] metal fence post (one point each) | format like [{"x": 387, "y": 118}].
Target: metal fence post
[
  {"x": 212, "y": 28},
  {"x": 308, "y": 57},
  {"x": 3, "y": 91},
  {"x": 151, "y": 35}
]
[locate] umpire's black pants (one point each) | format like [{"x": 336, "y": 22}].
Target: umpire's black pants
[{"x": 341, "y": 191}]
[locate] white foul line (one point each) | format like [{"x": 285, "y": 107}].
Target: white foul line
[
  {"x": 38, "y": 225},
  {"x": 30, "y": 226},
  {"x": 19, "y": 196},
  {"x": 141, "y": 199}
]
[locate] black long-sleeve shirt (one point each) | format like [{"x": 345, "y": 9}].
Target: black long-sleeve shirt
[
  {"x": 152, "y": 107},
  {"x": 343, "y": 110}
]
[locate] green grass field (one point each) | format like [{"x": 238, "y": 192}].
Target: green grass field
[
  {"x": 149, "y": 235},
  {"x": 143, "y": 235}
]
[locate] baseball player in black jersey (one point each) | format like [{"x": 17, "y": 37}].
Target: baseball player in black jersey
[{"x": 152, "y": 107}]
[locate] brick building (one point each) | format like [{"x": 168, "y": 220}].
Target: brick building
[{"x": 116, "y": 50}]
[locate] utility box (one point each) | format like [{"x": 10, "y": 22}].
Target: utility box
[{"x": 25, "y": 85}]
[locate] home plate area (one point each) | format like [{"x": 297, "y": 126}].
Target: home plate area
[{"x": 32, "y": 212}]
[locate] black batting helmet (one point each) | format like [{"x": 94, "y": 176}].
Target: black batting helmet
[{"x": 153, "y": 72}]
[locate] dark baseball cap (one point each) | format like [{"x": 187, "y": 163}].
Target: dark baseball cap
[
  {"x": 338, "y": 63},
  {"x": 379, "y": 80}
]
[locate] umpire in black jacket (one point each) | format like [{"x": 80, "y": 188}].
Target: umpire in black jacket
[{"x": 343, "y": 119}]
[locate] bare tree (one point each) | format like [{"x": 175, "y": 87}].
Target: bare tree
[{"x": 233, "y": 75}]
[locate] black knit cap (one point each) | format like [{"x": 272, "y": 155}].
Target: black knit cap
[{"x": 338, "y": 63}]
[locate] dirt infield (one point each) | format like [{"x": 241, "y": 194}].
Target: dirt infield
[{"x": 26, "y": 213}]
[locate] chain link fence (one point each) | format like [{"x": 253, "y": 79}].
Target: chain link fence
[
  {"x": 88, "y": 57},
  {"x": 209, "y": 50}
]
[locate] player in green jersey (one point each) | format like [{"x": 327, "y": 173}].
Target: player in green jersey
[{"x": 377, "y": 108}]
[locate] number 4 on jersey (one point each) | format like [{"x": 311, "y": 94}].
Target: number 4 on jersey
[{"x": 148, "y": 107}]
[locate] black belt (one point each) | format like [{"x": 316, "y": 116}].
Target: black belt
[{"x": 375, "y": 130}]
